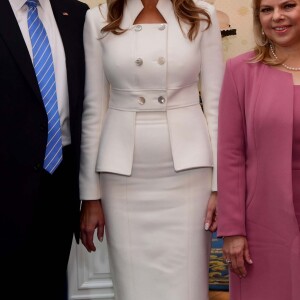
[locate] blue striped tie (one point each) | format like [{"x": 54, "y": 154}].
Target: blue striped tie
[{"x": 44, "y": 69}]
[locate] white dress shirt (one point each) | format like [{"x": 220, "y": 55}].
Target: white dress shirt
[{"x": 20, "y": 10}]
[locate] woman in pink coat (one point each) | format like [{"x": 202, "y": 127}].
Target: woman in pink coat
[{"x": 259, "y": 158}]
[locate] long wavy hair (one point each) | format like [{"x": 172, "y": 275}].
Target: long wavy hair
[
  {"x": 262, "y": 47},
  {"x": 185, "y": 10}
]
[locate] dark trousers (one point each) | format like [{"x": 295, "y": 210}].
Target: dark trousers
[{"x": 37, "y": 270}]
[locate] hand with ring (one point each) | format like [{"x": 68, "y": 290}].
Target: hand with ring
[{"x": 236, "y": 254}]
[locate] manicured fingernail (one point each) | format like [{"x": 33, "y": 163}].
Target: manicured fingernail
[
  {"x": 206, "y": 227},
  {"x": 250, "y": 261},
  {"x": 101, "y": 239}
]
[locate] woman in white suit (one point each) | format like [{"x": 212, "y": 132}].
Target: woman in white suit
[{"x": 148, "y": 154}]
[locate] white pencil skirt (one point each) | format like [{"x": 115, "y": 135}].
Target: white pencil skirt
[{"x": 157, "y": 244}]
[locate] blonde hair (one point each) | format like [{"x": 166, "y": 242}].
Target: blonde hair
[
  {"x": 262, "y": 48},
  {"x": 185, "y": 10}
]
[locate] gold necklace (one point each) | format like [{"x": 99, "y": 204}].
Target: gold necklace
[{"x": 283, "y": 64}]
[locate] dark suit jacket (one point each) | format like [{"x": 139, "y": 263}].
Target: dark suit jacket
[{"x": 23, "y": 120}]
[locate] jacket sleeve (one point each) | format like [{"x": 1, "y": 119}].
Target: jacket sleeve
[
  {"x": 231, "y": 157},
  {"x": 211, "y": 76},
  {"x": 94, "y": 106}
]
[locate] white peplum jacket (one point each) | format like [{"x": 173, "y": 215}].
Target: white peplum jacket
[{"x": 146, "y": 69}]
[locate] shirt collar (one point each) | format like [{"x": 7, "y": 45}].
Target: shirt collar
[{"x": 18, "y": 4}]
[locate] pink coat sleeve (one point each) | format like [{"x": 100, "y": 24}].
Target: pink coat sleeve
[{"x": 231, "y": 155}]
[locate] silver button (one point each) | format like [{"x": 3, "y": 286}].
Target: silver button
[
  {"x": 138, "y": 28},
  {"x": 161, "y": 60},
  {"x": 141, "y": 100},
  {"x": 162, "y": 27},
  {"x": 161, "y": 100},
  {"x": 139, "y": 61}
]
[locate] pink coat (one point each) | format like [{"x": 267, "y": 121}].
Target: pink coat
[{"x": 255, "y": 178}]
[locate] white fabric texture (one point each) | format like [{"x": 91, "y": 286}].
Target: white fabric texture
[
  {"x": 155, "y": 221},
  {"x": 128, "y": 68}
]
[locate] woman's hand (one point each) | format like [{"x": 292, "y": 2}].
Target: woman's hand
[
  {"x": 211, "y": 213},
  {"x": 91, "y": 219},
  {"x": 236, "y": 253}
]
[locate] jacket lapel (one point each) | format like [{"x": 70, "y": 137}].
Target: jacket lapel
[
  {"x": 62, "y": 16},
  {"x": 12, "y": 37},
  {"x": 64, "y": 21}
]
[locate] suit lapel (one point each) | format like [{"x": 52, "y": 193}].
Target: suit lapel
[
  {"x": 63, "y": 17},
  {"x": 64, "y": 22},
  {"x": 12, "y": 37}
]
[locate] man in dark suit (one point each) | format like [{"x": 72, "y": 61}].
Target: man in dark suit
[{"x": 39, "y": 211}]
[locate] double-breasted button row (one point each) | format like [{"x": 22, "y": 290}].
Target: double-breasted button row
[
  {"x": 142, "y": 100},
  {"x": 140, "y": 27},
  {"x": 139, "y": 61}
]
